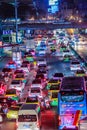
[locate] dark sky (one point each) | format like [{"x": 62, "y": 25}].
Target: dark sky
[{"x": 8, "y": 10}]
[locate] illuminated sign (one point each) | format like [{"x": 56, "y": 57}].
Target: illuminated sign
[
  {"x": 53, "y": 2},
  {"x": 5, "y": 32},
  {"x": 53, "y": 6}
]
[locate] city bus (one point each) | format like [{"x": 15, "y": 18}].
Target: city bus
[
  {"x": 53, "y": 94},
  {"x": 71, "y": 98}
]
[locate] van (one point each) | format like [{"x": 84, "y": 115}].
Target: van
[{"x": 29, "y": 117}]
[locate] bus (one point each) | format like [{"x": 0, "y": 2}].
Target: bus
[
  {"x": 71, "y": 98},
  {"x": 53, "y": 94}
]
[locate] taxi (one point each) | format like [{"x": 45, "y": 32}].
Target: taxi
[
  {"x": 12, "y": 93},
  {"x": 53, "y": 82},
  {"x": 12, "y": 112},
  {"x": 66, "y": 58},
  {"x": 11, "y": 65},
  {"x": 20, "y": 77},
  {"x": 53, "y": 94},
  {"x": 32, "y": 100},
  {"x": 80, "y": 73},
  {"x": 30, "y": 58}
]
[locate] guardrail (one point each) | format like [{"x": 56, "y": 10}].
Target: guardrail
[{"x": 80, "y": 57}]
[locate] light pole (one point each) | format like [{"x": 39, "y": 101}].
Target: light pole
[{"x": 16, "y": 17}]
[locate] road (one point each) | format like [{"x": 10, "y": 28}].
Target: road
[{"x": 49, "y": 118}]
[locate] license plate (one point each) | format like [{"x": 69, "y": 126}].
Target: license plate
[{"x": 26, "y": 126}]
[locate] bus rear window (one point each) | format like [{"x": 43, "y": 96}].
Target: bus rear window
[
  {"x": 72, "y": 96},
  {"x": 27, "y": 118}
]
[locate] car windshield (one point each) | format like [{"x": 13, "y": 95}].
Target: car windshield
[
  {"x": 18, "y": 71},
  {"x": 58, "y": 75},
  {"x": 32, "y": 99},
  {"x": 35, "y": 90},
  {"x": 38, "y": 81},
  {"x": 11, "y": 91},
  {"x": 54, "y": 87},
  {"x": 19, "y": 76},
  {"x": 27, "y": 118},
  {"x": 15, "y": 82}
]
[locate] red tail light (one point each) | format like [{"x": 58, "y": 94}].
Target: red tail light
[{"x": 38, "y": 124}]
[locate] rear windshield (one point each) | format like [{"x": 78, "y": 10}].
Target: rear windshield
[
  {"x": 15, "y": 82},
  {"x": 75, "y": 62},
  {"x": 35, "y": 90},
  {"x": 11, "y": 91},
  {"x": 27, "y": 118},
  {"x": 32, "y": 99}
]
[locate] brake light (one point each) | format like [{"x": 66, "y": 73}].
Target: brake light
[
  {"x": 38, "y": 124},
  {"x": 63, "y": 105},
  {"x": 81, "y": 105},
  {"x": 16, "y": 124}
]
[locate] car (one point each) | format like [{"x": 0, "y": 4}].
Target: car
[
  {"x": 52, "y": 48},
  {"x": 40, "y": 76},
  {"x": 26, "y": 62},
  {"x": 42, "y": 52},
  {"x": 53, "y": 82},
  {"x": 75, "y": 65},
  {"x": 67, "y": 58},
  {"x": 41, "y": 61},
  {"x": 58, "y": 76},
  {"x": 17, "y": 84},
  {"x": 29, "y": 57},
  {"x": 35, "y": 91},
  {"x": 18, "y": 71},
  {"x": 32, "y": 100},
  {"x": 7, "y": 100},
  {"x": 44, "y": 72},
  {"x": 7, "y": 71},
  {"x": 21, "y": 77},
  {"x": 12, "y": 112},
  {"x": 12, "y": 93},
  {"x": 32, "y": 51},
  {"x": 67, "y": 52},
  {"x": 11, "y": 65},
  {"x": 42, "y": 67},
  {"x": 80, "y": 73},
  {"x": 38, "y": 83},
  {"x": 25, "y": 68}
]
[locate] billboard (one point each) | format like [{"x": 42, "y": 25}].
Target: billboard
[{"x": 53, "y": 6}]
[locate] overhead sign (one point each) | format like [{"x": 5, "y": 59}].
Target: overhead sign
[{"x": 7, "y": 32}]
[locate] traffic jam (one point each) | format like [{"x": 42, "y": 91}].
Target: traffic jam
[{"x": 26, "y": 89}]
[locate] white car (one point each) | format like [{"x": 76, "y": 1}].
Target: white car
[
  {"x": 25, "y": 68},
  {"x": 35, "y": 91},
  {"x": 75, "y": 65},
  {"x": 17, "y": 84},
  {"x": 41, "y": 61},
  {"x": 42, "y": 52}
]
